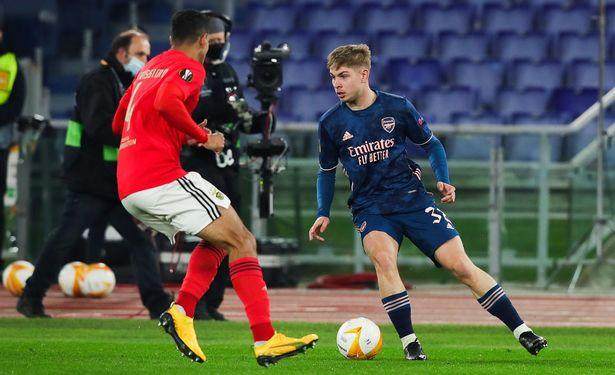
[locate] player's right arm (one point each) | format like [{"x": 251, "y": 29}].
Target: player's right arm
[{"x": 325, "y": 183}]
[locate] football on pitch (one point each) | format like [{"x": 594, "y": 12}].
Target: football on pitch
[
  {"x": 99, "y": 281},
  {"x": 359, "y": 338},
  {"x": 15, "y": 275}
]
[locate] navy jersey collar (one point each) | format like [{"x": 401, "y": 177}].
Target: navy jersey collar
[{"x": 367, "y": 111}]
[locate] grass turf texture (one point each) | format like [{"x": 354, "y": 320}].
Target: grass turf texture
[{"x": 138, "y": 346}]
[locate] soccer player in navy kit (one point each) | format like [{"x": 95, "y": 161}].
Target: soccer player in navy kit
[{"x": 367, "y": 132}]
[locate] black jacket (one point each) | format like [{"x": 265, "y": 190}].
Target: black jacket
[
  {"x": 11, "y": 109},
  {"x": 96, "y": 99}
]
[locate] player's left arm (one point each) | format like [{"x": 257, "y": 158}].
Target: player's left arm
[{"x": 419, "y": 133}]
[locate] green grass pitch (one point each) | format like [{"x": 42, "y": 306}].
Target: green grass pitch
[{"x": 136, "y": 346}]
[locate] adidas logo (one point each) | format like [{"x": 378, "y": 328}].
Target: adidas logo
[{"x": 347, "y": 136}]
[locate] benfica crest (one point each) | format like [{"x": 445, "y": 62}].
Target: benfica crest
[{"x": 388, "y": 124}]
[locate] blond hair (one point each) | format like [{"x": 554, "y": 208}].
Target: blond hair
[{"x": 350, "y": 55}]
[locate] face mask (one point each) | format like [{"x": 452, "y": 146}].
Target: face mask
[
  {"x": 133, "y": 66},
  {"x": 216, "y": 52}
]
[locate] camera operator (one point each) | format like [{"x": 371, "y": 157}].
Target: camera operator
[
  {"x": 90, "y": 162},
  {"x": 223, "y": 105}
]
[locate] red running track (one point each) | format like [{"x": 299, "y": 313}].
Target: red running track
[{"x": 429, "y": 305}]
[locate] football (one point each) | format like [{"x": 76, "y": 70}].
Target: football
[
  {"x": 15, "y": 275},
  {"x": 99, "y": 281},
  {"x": 359, "y": 338},
  {"x": 71, "y": 278}
]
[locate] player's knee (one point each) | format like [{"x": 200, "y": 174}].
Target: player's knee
[
  {"x": 384, "y": 261},
  {"x": 244, "y": 244},
  {"x": 465, "y": 272}
]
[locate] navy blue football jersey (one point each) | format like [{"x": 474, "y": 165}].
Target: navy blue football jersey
[{"x": 371, "y": 145}]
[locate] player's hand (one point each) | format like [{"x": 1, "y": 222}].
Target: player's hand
[
  {"x": 447, "y": 191},
  {"x": 203, "y": 125},
  {"x": 319, "y": 227},
  {"x": 215, "y": 142}
]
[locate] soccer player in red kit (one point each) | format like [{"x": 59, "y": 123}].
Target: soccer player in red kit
[{"x": 154, "y": 120}]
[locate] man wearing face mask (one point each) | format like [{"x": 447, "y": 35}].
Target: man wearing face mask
[
  {"x": 90, "y": 163},
  {"x": 223, "y": 105}
]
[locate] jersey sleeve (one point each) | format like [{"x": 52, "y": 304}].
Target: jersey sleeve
[
  {"x": 188, "y": 79},
  {"x": 327, "y": 155},
  {"x": 417, "y": 129}
]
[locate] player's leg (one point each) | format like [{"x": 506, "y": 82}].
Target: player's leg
[
  {"x": 490, "y": 295},
  {"x": 228, "y": 232},
  {"x": 381, "y": 244}
]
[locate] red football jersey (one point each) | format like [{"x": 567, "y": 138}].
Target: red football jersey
[{"x": 154, "y": 119}]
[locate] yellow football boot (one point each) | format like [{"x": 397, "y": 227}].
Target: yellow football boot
[
  {"x": 181, "y": 329},
  {"x": 280, "y": 347}
]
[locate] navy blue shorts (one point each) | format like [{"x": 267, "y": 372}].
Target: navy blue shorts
[{"x": 428, "y": 229}]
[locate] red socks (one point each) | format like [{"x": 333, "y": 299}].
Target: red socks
[
  {"x": 202, "y": 269},
  {"x": 247, "y": 278}
]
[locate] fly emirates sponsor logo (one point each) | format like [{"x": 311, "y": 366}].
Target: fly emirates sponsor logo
[{"x": 371, "y": 152}]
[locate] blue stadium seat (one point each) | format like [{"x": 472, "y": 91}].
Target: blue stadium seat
[
  {"x": 498, "y": 19},
  {"x": 572, "y": 102},
  {"x": 547, "y": 75},
  {"x": 376, "y": 20},
  {"x": 464, "y": 47},
  {"x": 522, "y": 47},
  {"x": 279, "y": 18},
  {"x": 338, "y": 19},
  {"x": 62, "y": 83},
  {"x": 310, "y": 105},
  {"x": 326, "y": 43},
  {"x": 585, "y": 76},
  {"x": 486, "y": 78},
  {"x": 456, "y": 19},
  {"x": 557, "y": 20},
  {"x": 61, "y": 106},
  {"x": 299, "y": 43},
  {"x": 412, "y": 47},
  {"x": 242, "y": 44},
  {"x": 470, "y": 147},
  {"x": 440, "y": 105},
  {"x": 610, "y": 20},
  {"x": 470, "y": 119},
  {"x": 531, "y": 102},
  {"x": 526, "y": 147},
  {"x": 417, "y": 76},
  {"x": 304, "y": 74},
  {"x": 574, "y": 47}
]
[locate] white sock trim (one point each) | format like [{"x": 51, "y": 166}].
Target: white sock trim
[
  {"x": 181, "y": 309},
  {"x": 408, "y": 339},
  {"x": 259, "y": 343},
  {"x": 521, "y": 329}
]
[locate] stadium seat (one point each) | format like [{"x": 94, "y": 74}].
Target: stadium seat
[
  {"x": 440, "y": 105},
  {"x": 585, "y": 76},
  {"x": 455, "y": 19},
  {"x": 304, "y": 74},
  {"x": 498, "y": 19},
  {"x": 557, "y": 20},
  {"x": 417, "y": 76},
  {"x": 299, "y": 43},
  {"x": 470, "y": 146},
  {"x": 571, "y": 102},
  {"x": 485, "y": 78},
  {"x": 61, "y": 106},
  {"x": 531, "y": 102},
  {"x": 310, "y": 105},
  {"x": 242, "y": 44},
  {"x": 522, "y": 47},
  {"x": 412, "y": 47},
  {"x": 464, "y": 47},
  {"x": 376, "y": 20},
  {"x": 325, "y": 43},
  {"x": 526, "y": 147},
  {"x": 574, "y": 47},
  {"x": 338, "y": 19},
  {"x": 279, "y": 18},
  {"x": 547, "y": 75}
]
